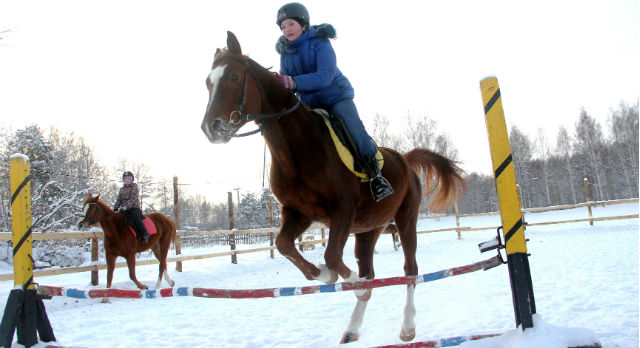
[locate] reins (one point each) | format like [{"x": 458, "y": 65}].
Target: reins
[
  {"x": 92, "y": 219},
  {"x": 253, "y": 117}
]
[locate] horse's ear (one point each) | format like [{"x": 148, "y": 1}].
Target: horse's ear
[
  {"x": 98, "y": 197},
  {"x": 232, "y": 43}
]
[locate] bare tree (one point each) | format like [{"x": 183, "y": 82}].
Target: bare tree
[
  {"x": 590, "y": 145},
  {"x": 623, "y": 124},
  {"x": 522, "y": 154},
  {"x": 564, "y": 147},
  {"x": 544, "y": 153}
]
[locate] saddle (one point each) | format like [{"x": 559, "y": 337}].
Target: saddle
[
  {"x": 148, "y": 224},
  {"x": 345, "y": 145}
]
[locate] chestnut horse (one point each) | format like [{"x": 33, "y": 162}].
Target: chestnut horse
[
  {"x": 119, "y": 241},
  {"x": 312, "y": 184}
]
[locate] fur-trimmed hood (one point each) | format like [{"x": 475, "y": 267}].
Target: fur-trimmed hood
[{"x": 321, "y": 31}]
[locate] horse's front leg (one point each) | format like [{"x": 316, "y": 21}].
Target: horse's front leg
[
  {"x": 131, "y": 264},
  {"x": 364, "y": 249},
  {"x": 111, "y": 265},
  {"x": 293, "y": 225}
]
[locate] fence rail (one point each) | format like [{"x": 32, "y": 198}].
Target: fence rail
[{"x": 97, "y": 265}]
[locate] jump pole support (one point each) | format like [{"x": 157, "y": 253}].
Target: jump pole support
[
  {"x": 512, "y": 221},
  {"x": 25, "y": 310}
]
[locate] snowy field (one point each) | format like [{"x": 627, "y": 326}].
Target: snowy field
[{"x": 583, "y": 277}]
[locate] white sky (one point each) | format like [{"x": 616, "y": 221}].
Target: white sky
[{"x": 129, "y": 76}]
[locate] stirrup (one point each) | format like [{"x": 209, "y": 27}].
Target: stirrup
[
  {"x": 386, "y": 189},
  {"x": 143, "y": 239}
]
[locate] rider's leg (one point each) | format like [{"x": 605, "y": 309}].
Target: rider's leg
[
  {"x": 134, "y": 218},
  {"x": 347, "y": 111}
]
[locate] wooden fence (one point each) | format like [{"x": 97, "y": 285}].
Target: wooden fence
[{"x": 97, "y": 265}]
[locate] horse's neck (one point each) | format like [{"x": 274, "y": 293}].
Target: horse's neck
[
  {"x": 291, "y": 135},
  {"x": 108, "y": 219}
]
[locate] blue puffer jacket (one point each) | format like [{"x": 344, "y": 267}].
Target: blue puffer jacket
[{"x": 311, "y": 61}]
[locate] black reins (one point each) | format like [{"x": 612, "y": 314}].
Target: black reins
[
  {"x": 252, "y": 117},
  {"x": 92, "y": 220}
]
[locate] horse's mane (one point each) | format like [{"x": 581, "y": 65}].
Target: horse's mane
[{"x": 95, "y": 198}]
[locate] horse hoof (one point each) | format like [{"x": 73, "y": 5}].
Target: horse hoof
[
  {"x": 326, "y": 275},
  {"x": 143, "y": 287},
  {"x": 407, "y": 334},
  {"x": 105, "y": 300},
  {"x": 172, "y": 284},
  {"x": 349, "y": 337}
]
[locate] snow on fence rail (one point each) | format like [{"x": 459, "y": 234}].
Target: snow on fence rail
[{"x": 97, "y": 265}]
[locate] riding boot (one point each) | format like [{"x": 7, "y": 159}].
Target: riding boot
[
  {"x": 141, "y": 232},
  {"x": 380, "y": 187},
  {"x": 142, "y": 236}
]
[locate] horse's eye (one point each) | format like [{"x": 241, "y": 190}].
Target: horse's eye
[{"x": 234, "y": 77}]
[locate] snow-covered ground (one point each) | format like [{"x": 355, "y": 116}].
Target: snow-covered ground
[{"x": 583, "y": 277}]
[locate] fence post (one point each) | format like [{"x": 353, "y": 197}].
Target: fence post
[
  {"x": 271, "y": 234},
  {"x": 455, "y": 206},
  {"x": 588, "y": 200},
  {"x": 510, "y": 211},
  {"x": 323, "y": 243},
  {"x": 176, "y": 216},
  {"x": 94, "y": 257},
  {"x": 232, "y": 237},
  {"x": 24, "y": 311}
]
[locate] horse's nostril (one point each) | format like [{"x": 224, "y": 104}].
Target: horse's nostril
[{"x": 216, "y": 125}]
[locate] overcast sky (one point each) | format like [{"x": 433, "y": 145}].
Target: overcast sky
[{"x": 129, "y": 76}]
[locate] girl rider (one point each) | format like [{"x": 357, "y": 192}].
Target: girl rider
[{"x": 308, "y": 67}]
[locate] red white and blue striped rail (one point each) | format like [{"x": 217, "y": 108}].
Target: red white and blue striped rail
[
  {"x": 443, "y": 342},
  {"x": 268, "y": 292}
]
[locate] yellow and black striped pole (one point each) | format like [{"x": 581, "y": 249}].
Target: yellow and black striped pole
[
  {"x": 24, "y": 310},
  {"x": 21, "y": 221},
  {"x": 509, "y": 204}
]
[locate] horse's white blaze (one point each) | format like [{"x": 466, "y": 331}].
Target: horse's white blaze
[
  {"x": 214, "y": 81},
  {"x": 86, "y": 206}
]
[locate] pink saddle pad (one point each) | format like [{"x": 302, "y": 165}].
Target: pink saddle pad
[{"x": 148, "y": 224}]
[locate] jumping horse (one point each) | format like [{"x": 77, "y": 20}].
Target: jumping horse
[
  {"x": 312, "y": 184},
  {"x": 119, "y": 241}
]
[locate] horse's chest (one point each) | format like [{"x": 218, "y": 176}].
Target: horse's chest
[
  {"x": 302, "y": 198},
  {"x": 112, "y": 247}
]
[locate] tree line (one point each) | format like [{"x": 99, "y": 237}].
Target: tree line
[{"x": 64, "y": 170}]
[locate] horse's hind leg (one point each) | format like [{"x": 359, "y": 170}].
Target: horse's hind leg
[
  {"x": 364, "y": 249},
  {"x": 161, "y": 251},
  {"x": 406, "y": 223}
]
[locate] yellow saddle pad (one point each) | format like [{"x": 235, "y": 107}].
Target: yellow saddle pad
[{"x": 343, "y": 152}]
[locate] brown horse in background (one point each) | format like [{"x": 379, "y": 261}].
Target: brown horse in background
[
  {"x": 119, "y": 241},
  {"x": 312, "y": 184}
]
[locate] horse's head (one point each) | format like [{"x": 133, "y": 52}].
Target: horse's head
[
  {"x": 93, "y": 210},
  {"x": 234, "y": 92}
]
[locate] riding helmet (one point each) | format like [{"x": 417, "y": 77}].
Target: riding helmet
[
  {"x": 295, "y": 11},
  {"x": 128, "y": 173}
]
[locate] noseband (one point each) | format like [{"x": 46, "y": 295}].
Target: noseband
[{"x": 239, "y": 109}]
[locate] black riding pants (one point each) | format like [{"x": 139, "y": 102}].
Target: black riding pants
[{"x": 134, "y": 219}]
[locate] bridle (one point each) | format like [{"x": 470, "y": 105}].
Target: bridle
[
  {"x": 239, "y": 109},
  {"x": 92, "y": 220}
]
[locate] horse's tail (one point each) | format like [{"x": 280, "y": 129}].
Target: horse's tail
[{"x": 442, "y": 177}]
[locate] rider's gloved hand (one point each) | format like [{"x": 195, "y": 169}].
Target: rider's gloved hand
[{"x": 287, "y": 81}]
